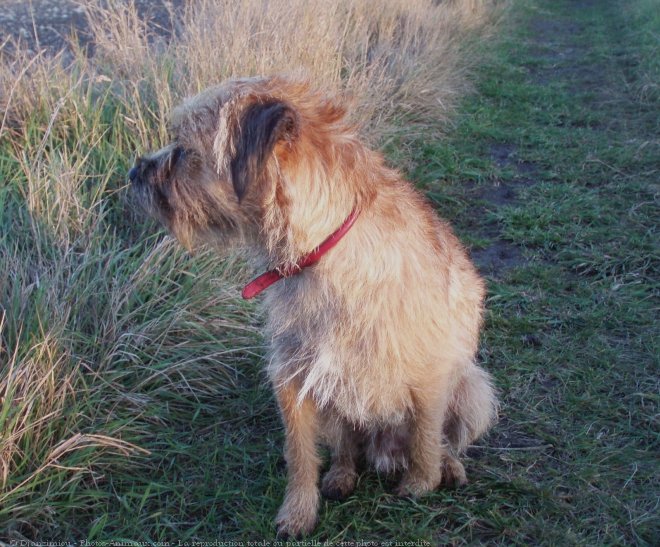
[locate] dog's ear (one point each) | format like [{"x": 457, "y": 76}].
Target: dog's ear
[{"x": 261, "y": 126}]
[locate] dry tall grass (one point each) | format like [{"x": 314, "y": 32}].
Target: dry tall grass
[
  {"x": 105, "y": 332},
  {"x": 399, "y": 56}
]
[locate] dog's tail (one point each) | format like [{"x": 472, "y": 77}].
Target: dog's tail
[{"x": 472, "y": 410}]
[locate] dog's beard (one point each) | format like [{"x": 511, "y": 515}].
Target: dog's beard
[
  {"x": 145, "y": 199},
  {"x": 142, "y": 198}
]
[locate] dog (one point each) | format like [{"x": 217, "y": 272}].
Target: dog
[{"x": 373, "y": 306}]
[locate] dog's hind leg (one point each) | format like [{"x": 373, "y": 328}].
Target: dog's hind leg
[
  {"x": 339, "y": 481},
  {"x": 429, "y": 456}
]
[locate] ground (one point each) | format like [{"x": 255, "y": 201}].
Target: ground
[
  {"x": 50, "y": 23},
  {"x": 550, "y": 177}
]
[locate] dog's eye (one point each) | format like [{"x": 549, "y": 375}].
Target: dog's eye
[{"x": 177, "y": 155}]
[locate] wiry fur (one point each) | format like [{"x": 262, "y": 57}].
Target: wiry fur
[{"x": 371, "y": 350}]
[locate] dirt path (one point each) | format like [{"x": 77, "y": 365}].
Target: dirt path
[
  {"x": 560, "y": 55},
  {"x": 569, "y": 206},
  {"x": 48, "y": 23}
]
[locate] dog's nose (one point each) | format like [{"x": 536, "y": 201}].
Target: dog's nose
[{"x": 132, "y": 174}]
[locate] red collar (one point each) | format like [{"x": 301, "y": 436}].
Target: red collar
[{"x": 265, "y": 280}]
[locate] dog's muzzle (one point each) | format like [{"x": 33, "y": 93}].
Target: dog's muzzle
[{"x": 132, "y": 174}]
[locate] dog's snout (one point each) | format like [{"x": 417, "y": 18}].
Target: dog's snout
[
  {"x": 137, "y": 170},
  {"x": 133, "y": 173}
]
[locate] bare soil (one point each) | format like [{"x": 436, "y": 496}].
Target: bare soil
[{"x": 49, "y": 24}]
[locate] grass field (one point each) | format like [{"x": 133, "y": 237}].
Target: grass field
[{"x": 133, "y": 402}]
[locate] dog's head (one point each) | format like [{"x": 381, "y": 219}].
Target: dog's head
[{"x": 251, "y": 160}]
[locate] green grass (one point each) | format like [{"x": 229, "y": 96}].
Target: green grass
[
  {"x": 552, "y": 168},
  {"x": 572, "y": 329}
]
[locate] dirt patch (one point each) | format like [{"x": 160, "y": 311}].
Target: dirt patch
[
  {"x": 48, "y": 24},
  {"x": 501, "y": 256},
  {"x": 561, "y": 50},
  {"x": 499, "y": 194},
  {"x": 506, "y": 155},
  {"x": 502, "y": 153},
  {"x": 498, "y": 257}
]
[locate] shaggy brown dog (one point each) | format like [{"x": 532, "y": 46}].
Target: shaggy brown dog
[{"x": 372, "y": 349}]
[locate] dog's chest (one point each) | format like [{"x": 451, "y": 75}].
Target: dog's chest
[
  {"x": 339, "y": 355},
  {"x": 361, "y": 389}
]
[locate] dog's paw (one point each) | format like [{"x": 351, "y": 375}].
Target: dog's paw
[
  {"x": 453, "y": 473},
  {"x": 412, "y": 486},
  {"x": 338, "y": 483},
  {"x": 452, "y": 476},
  {"x": 295, "y": 526},
  {"x": 297, "y": 517},
  {"x": 412, "y": 489}
]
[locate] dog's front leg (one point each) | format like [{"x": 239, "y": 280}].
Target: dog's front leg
[{"x": 298, "y": 513}]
